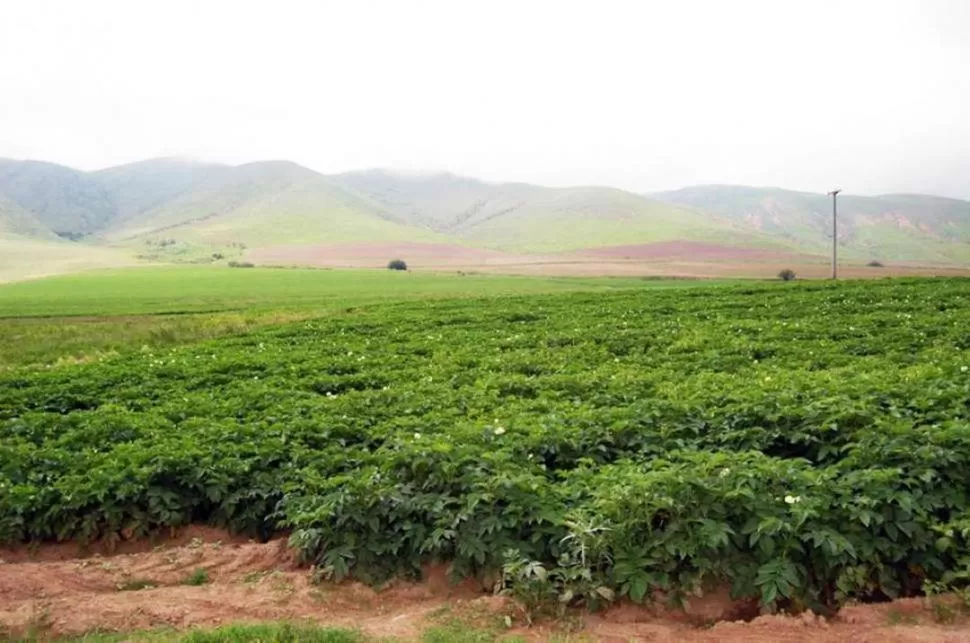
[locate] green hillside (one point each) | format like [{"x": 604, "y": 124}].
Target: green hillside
[
  {"x": 442, "y": 201},
  {"x": 66, "y": 201},
  {"x": 576, "y": 218},
  {"x": 262, "y": 204},
  {"x": 178, "y": 210},
  {"x": 16, "y": 222},
  {"x": 531, "y": 218},
  {"x": 138, "y": 187},
  {"x": 914, "y": 228}
]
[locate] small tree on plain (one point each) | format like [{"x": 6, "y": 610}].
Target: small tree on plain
[
  {"x": 875, "y": 263},
  {"x": 397, "y": 264},
  {"x": 787, "y": 275}
]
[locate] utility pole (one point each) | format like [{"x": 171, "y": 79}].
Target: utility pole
[{"x": 835, "y": 232}]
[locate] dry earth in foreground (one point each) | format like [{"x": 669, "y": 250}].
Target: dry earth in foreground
[{"x": 66, "y": 594}]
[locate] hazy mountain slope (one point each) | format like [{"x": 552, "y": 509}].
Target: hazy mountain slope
[
  {"x": 440, "y": 200},
  {"x": 532, "y": 218},
  {"x": 64, "y": 200},
  {"x": 266, "y": 203},
  {"x": 281, "y": 203},
  {"x": 16, "y": 222},
  {"x": 888, "y": 228},
  {"x": 575, "y": 218},
  {"x": 135, "y": 188}
]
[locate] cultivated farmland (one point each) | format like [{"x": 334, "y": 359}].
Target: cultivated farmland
[{"x": 807, "y": 444}]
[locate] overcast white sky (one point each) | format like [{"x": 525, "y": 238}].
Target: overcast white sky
[{"x": 873, "y": 96}]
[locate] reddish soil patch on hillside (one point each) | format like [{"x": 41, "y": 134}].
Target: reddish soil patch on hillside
[
  {"x": 688, "y": 250},
  {"x": 667, "y": 259},
  {"x": 250, "y": 582},
  {"x": 377, "y": 254}
]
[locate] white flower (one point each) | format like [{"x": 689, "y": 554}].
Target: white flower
[
  {"x": 792, "y": 499},
  {"x": 417, "y": 436},
  {"x": 499, "y": 430},
  {"x": 964, "y": 369},
  {"x": 724, "y": 472}
]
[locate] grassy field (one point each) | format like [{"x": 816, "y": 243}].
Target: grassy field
[
  {"x": 29, "y": 258},
  {"x": 177, "y": 289},
  {"x": 89, "y": 315}
]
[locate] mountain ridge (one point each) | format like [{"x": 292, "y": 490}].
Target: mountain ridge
[
  {"x": 199, "y": 207},
  {"x": 921, "y": 228}
]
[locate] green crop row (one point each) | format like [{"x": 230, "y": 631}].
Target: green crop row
[{"x": 807, "y": 443}]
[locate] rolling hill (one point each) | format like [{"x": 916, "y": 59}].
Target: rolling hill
[
  {"x": 66, "y": 201},
  {"x": 889, "y": 228},
  {"x": 138, "y": 187},
  {"x": 178, "y": 210},
  {"x": 17, "y": 222},
  {"x": 281, "y": 203},
  {"x": 530, "y": 218},
  {"x": 265, "y": 203}
]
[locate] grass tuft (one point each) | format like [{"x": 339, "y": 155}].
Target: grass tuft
[{"x": 198, "y": 577}]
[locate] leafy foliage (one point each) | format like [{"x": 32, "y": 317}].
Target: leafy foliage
[
  {"x": 199, "y": 576},
  {"x": 807, "y": 444},
  {"x": 397, "y": 264}
]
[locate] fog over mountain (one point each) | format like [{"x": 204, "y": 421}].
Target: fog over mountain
[{"x": 869, "y": 95}]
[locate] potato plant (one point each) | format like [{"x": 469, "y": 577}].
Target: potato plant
[{"x": 807, "y": 443}]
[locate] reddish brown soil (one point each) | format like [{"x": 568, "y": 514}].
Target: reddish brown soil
[
  {"x": 377, "y": 254},
  {"x": 665, "y": 259},
  {"x": 690, "y": 251},
  {"x": 258, "y": 582}
]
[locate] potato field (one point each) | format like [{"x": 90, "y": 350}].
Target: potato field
[{"x": 806, "y": 443}]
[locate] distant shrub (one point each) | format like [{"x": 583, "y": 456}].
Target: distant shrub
[
  {"x": 161, "y": 243},
  {"x": 787, "y": 275},
  {"x": 397, "y": 264},
  {"x": 216, "y": 256},
  {"x": 875, "y": 264},
  {"x": 241, "y": 264},
  {"x": 70, "y": 236}
]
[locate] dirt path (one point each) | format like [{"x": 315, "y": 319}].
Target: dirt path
[{"x": 54, "y": 591}]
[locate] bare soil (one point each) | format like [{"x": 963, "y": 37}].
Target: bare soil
[
  {"x": 376, "y": 254},
  {"x": 57, "y": 590},
  {"x": 687, "y": 250},
  {"x": 662, "y": 259}
]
